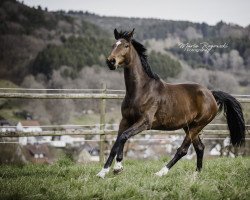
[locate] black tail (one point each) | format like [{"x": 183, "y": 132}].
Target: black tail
[{"x": 234, "y": 115}]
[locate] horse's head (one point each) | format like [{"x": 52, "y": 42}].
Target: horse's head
[{"x": 120, "y": 54}]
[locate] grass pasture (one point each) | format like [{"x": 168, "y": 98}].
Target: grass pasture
[{"x": 222, "y": 178}]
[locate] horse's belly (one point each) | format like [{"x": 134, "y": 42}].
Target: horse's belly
[
  {"x": 173, "y": 122},
  {"x": 168, "y": 127},
  {"x": 165, "y": 128}
]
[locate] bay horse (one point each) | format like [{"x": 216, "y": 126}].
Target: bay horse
[{"x": 151, "y": 103}]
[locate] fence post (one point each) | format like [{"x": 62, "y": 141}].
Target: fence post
[{"x": 102, "y": 123}]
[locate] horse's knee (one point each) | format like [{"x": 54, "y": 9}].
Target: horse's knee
[{"x": 123, "y": 138}]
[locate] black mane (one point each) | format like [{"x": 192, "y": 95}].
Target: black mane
[{"x": 141, "y": 50}]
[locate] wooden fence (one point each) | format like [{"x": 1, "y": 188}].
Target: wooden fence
[{"x": 101, "y": 94}]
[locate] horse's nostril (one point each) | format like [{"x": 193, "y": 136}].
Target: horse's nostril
[{"x": 112, "y": 61}]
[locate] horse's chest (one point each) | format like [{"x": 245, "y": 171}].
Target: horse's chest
[{"x": 131, "y": 111}]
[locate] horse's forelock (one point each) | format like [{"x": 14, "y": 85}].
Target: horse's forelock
[{"x": 123, "y": 35}]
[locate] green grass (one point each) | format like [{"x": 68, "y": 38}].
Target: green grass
[
  {"x": 7, "y": 84},
  {"x": 8, "y": 113},
  {"x": 223, "y": 178}
]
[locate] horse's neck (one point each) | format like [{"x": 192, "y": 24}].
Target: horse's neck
[{"x": 135, "y": 76}]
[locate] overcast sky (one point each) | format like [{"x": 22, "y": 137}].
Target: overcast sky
[{"x": 209, "y": 11}]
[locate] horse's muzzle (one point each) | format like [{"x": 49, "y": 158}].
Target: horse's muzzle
[{"x": 111, "y": 64}]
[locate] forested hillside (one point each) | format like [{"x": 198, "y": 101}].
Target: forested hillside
[
  {"x": 25, "y": 32},
  {"x": 34, "y": 41},
  {"x": 148, "y": 28},
  {"x": 165, "y": 36}
]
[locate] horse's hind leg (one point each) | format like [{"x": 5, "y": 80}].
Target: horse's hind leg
[
  {"x": 181, "y": 151},
  {"x": 191, "y": 134},
  {"x": 199, "y": 148}
]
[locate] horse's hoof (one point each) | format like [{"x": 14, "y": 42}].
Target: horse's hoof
[
  {"x": 196, "y": 174},
  {"x": 118, "y": 168},
  {"x": 117, "y": 171},
  {"x": 162, "y": 172},
  {"x": 158, "y": 174},
  {"x": 102, "y": 173}
]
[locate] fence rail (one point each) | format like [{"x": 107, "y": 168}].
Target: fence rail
[
  {"x": 77, "y": 96},
  {"x": 102, "y": 95},
  {"x": 61, "y": 96},
  {"x": 102, "y": 132}
]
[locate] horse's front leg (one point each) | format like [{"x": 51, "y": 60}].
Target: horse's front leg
[
  {"x": 124, "y": 125},
  {"x": 135, "y": 129},
  {"x": 119, "y": 144}
]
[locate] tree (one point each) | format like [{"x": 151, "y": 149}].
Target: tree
[{"x": 164, "y": 65}]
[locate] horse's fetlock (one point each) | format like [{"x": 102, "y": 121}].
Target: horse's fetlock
[{"x": 119, "y": 158}]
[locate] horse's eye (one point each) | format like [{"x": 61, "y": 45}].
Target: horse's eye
[{"x": 126, "y": 46}]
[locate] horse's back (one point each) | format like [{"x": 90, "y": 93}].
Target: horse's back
[
  {"x": 194, "y": 95},
  {"x": 192, "y": 91}
]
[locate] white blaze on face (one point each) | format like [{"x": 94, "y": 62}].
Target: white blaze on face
[{"x": 117, "y": 43}]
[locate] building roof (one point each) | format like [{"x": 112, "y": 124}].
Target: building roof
[
  {"x": 4, "y": 122},
  {"x": 38, "y": 149},
  {"x": 30, "y": 123}
]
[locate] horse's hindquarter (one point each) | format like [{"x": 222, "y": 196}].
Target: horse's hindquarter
[{"x": 182, "y": 104}]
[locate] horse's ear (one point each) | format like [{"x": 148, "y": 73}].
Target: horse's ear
[
  {"x": 116, "y": 34},
  {"x": 131, "y": 34}
]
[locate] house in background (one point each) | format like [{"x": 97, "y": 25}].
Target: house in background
[
  {"x": 4, "y": 122},
  {"x": 64, "y": 140},
  {"x": 5, "y": 126},
  {"x": 39, "y": 153},
  {"x": 31, "y": 126}
]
